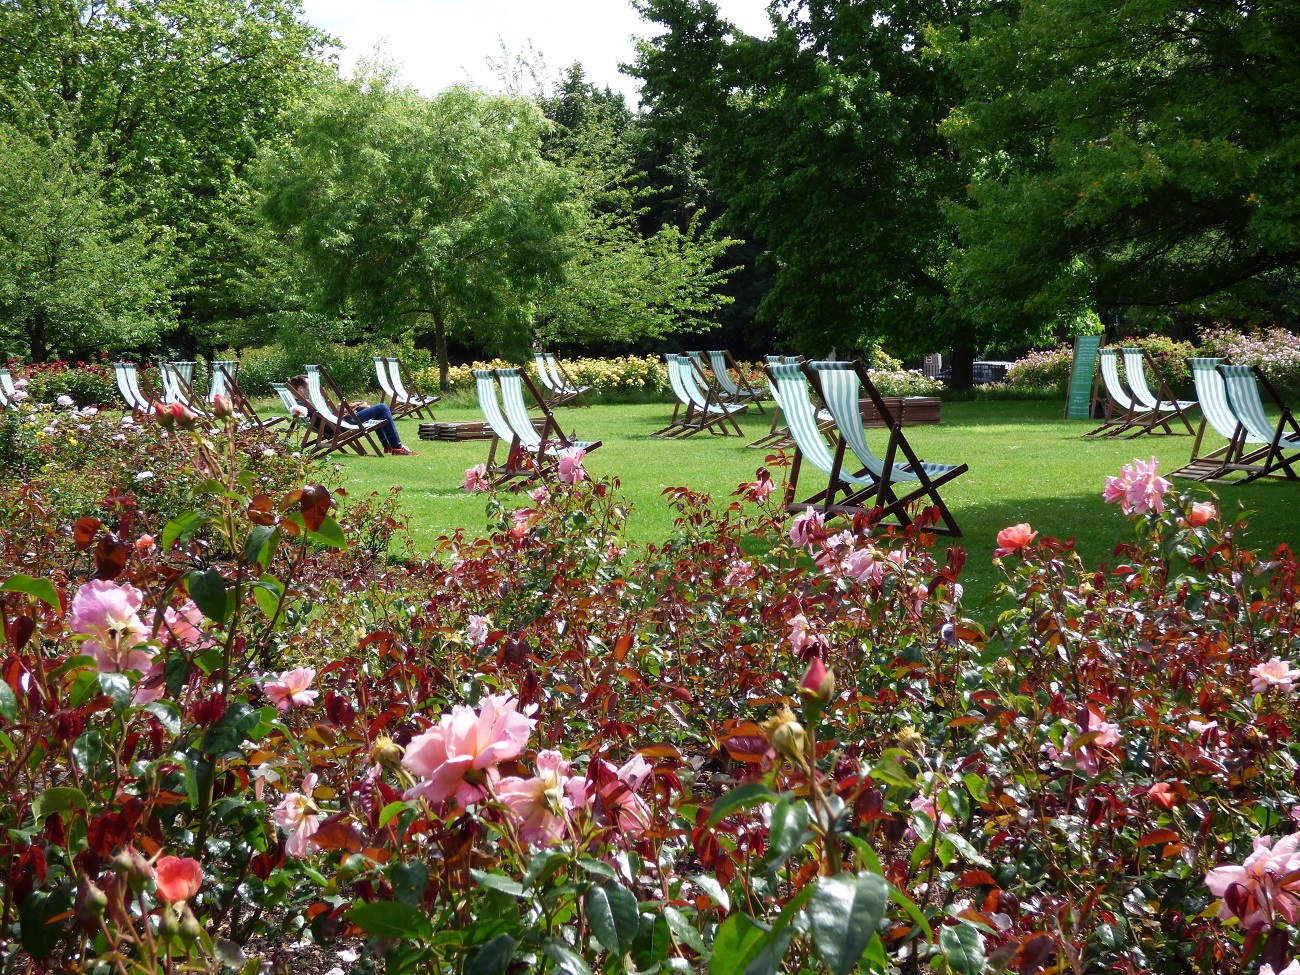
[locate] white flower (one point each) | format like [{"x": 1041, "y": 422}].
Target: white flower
[
  {"x": 65, "y": 400},
  {"x": 90, "y": 411},
  {"x": 119, "y": 437},
  {"x": 268, "y": 452},
  {"x": 144, "y": 476},
  {"x": 49, "y": 431}
]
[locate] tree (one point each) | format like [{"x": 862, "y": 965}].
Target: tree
[
  {"x": 621, "y": 283},
  {"x": 415, "y": 212},
  {"x": 75, "y": 274},
  {"x": 823, "y": 139},
  {"x": 1141, "y": 152},
  {"x": 174, "y": 97}
]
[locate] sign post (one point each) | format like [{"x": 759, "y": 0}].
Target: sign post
[{"x": 1080, "y": 394}]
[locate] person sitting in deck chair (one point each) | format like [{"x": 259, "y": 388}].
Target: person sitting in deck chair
[{"x": 364, "y": 412}]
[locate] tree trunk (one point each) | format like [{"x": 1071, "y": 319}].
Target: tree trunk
[
  {"x": 36, "y": 334},
  {"x": 963, "y": 357},
  {"x": 440, "y": 343}
]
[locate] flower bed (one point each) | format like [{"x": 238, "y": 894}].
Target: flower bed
[
  {"x": 1274, "y": 350},
  {"x": 229, "y": 727}
]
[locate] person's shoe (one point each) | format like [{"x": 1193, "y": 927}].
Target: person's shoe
[{"x": 403, "y": 452}]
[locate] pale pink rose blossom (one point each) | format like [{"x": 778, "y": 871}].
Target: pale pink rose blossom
[
  {"x": 19, "y": 395},
  {"x": 802, "y": 636},
  {"x": 762, "y": 487},
  {"x": 741, "y": 571},
  {"x": 1086, "y": 756},
  {"x": 297, "y": 814},
  {"x": 20, "y": 382},
  {"x": 1275, "y": 672},
  {"x": 476, "y": 479},
  {"x": 1291, "y": 969},
  {"x": 107, "y": 614},
  {"x": 613, "y": 550},
  {"x": 570, "y": 469},
  {"x": 478, "y": 629},
  {"x": 862, "y": 566},
  {"x": 540, "y": 494},
  {"x": 620, "y": 801},
  {"x": 1138, "y": 488},
  {"x": 520, "y": 522},
  {"x": 65, "y": 401},
  {"x": 807, "y": 527},
  {"x": 925, "y": 804},
  {"x": 290, "y": 688},
  {"x": 457, "y": 756},
  {"x": 542, "y": 805},
  {"x": 1266, "y": 887}
]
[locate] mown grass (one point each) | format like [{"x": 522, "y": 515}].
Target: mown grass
[{"x": 1026, "y": 465}]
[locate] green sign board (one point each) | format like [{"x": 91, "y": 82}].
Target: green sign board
[{"x": 1078, "y": 398}]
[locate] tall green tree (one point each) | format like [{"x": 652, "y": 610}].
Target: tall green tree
[
  {"x": 175, "y": 97},
  {"x": 624, "y": 282},
  {"x": 823, "y": 139},
  {"x": 417, "y": 214},
  {"x": 76, "y": 275},
  {"x": 1129, "y": 152}
]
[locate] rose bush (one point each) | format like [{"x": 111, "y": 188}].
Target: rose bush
[{"x": 757, "y": 745}]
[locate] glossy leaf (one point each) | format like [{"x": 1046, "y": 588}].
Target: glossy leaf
[
  {"x": 964, "y": 947},
  {"x": 41, "y": 589},
  {"x": 208, "y": 590},
  {"x": 391, "y": 919},
  {"x": 613, "y": 916},
  {"x": 844, "y": 911}
]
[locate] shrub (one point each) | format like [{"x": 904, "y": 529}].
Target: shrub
[
  {"x": 89, "y": 384},
  {"x": 1043, "y": 369},
  {"x": 1276, "y": 351}
]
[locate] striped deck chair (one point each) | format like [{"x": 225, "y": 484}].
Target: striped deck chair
[
  {"x": 779, "y": 437},
  {"x": 683, "y": 408},
  {"x": 722, "y": 363},
  {"x": 708, "y": 411},
  {"x": 1158, "y": 410},
  {"x": 223, "y": 380},
  {"x": 128, "y": 384},
  {"x": 562, "y": 382},
  {"x": 1283, "y": 440},
  {"x": 1121, "y": 409},
  {"x": 796, "y": 404},
  {"x": 841, "y": 385},
  {"x": 177, "y": 380},
  {"x": 518, "y": 462},
  {"x": 334, "y": 431},
  {"x": 545, "y": 447},
  {"x": 297, "y": 423},
  {"x": 7, "y": 390},
  {"x": 553, "y": 390},
  {"x": 406, "y": 395},
  {"x": 706, "y": 378},
  {"x": 1217, "y": 415}
]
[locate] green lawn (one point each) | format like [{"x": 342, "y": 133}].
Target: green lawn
[{"x": 1026, "y": 464}]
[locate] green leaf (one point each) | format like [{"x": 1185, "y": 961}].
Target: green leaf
[
  {"x": 683, "y": 930},
  {"x": 229, "y": 732},
  {"x": 208, "y": 590},
  {"x": 87, "y": 749},
  {"x": 57, "y": 799},
  {"x": 391, "y": 919},
  {"x": 329, "y": 534},
  {"x": 741, "y": 797},
  {"x": 180, "y": 529},
  {"x": 198, "y": 776},
  {"x": 613, "y": 916},
  {"x": 256, "y": 541},
  {"x": 597, "y": 868},
  {"x": 786, "y": 834},
  {"x": 168, "y": 715},
  {"x": 844, "y": 912},
  {"x": 964, "y": 947},
  {"x": 409, "y": 880},
  {"x": 8, "y": 702},
  {"x": 737, "y": 943},
  {"x": 392, "y": 809},
  {"x": 566, "y": 960},
  {"x": 268, "y": 591},
  {"x": 116, "y": 686},
  {"x": 492, "y": 958},
  {"x": 543, "y": 866},
  {"x": 714, "y": 889},
  {"x": 39, "y": 936},
  {"x": 889, "y": 770},
  {"x": 497, "y": 881},
  {"x": 41, "y": 589}
]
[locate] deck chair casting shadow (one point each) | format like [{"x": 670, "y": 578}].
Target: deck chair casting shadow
[
  {"x": 1217, "y": 415},
  {"x": 563, "y": 383},
  {"x": 1158, "y": 410},
  {"x": 336, "y": 430},
  {"x": 841, "y": 385},
  {"x": 702, "y": 410},
  {"x": 400, "y": 391},
  {"x": 706, "y": 378},
  {"x": 796, "y": 403},
  {"x": 224, "y": 381},
  {"x": 545, "y": 447},
  {"x": 733, "y": 391},
  {"x": 1283, "y": 450},
  {"x": 554, "y": 390},
  {"x": 1121, "y": 408},
  {"x": 128, "y": 384},
  {"x": 779, "y": 437},
  {"x": 518, "y": 462}
]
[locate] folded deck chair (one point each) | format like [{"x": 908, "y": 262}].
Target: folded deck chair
[
  {"x": 562, "y": 383},
  {"x": 406, "y": 395},
  {"x": 1217, "y": 415},
  {"x": 697, "y": 407},
  {"x": 722, "y": 363},
  {"x": 128, "y": 384},
  {"x": 796, "y": 403},
  {"x": 841, "y": 385},
  {"x": 1282, "y": 452},
  {"x": 545, "y": 447},
  {"x": 1121, "y": 409},
  {"x": 336, "y": 430},
  {"x": 1157, "y": 410}
]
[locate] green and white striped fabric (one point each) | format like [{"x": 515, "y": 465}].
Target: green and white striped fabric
[
  {"x": 1135, "y": 370},
  {"x": 1212, "y": 395},
  {"x": 797, "y": 406},
  {"x": 718, "y": 360},
  {"x": 689, "y": 370},
  {"x": 673, "y": 363},
  {"x": 487, "y": 402},
  {"x": 171, "y": 386},
  {"x": 219, "y": 383},
  {"x": 289, "y": 400},
  {"x": 322, "y": 406},
  {"x": 7, "y": 388},
  {"x": 1243, "y": 394},
  {"x": 544, "y": 373},
  {"x": 400, "y": 393},
  {"x": 1108, "y": 359},
  {"x": 129, "y": 386},
  {"x": 841, "y": 388},
  {"x": 381, "y": 373},
  {"x": 512, "y": 397}
]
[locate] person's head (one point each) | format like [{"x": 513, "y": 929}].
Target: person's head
[{"x": 298, "y": 384}]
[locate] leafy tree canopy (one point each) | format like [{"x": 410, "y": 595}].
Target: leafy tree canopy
[
  {"x": 416, "y": 214},
  {"x": 1141, "y": 152}
]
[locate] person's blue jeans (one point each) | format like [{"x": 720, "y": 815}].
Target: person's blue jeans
[{"x": 387, "y": 431}]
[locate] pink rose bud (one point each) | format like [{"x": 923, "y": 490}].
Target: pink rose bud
[
  {"x": 163, "y": 415},
  {"x": 1200, "y": 513},
  {"x": 222, "y": 407},
  {"x": 818, "y": 684}
]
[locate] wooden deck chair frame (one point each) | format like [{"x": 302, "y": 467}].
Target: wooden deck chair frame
[
  {"x": 127, "y": 378},
  {"x": 920, "y": 481},
  {"x": 683, "y": 408},
  {"x": 336, "y": 426},
  {"x": 564, "y": 382},
  {"x": 1217, "y": 414},
  {"x": 791, "y": 382},
  {"x": 721, "y": 362},
  {"x": 779, "y": 437},
  {"x": 224, "y": 380},
  {"x": 1158, "y": 410},
  {"x": 1246, "y": 403},
  {"x": 710, "y": 412},
  {"x": 1121, "y": 408},
  {"x": 177, "y": 379},
  {"x": 544, "y": 447},
  {"x": 406, "y": 393},
  {"x": 706, "y": 379}
]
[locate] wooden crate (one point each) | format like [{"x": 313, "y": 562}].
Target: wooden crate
[{"x": 909, "y": 411}]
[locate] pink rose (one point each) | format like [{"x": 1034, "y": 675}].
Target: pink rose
[
  {"x": 107, "y": 614},
  {"x": 1200, "y": 513},
  {"x": 1138, "y": 488},
  {"x": 476, "y": 479},
  {"x": 290, "y": 688},
  {"x": 741, "y": 571},
  {"x": 807, "y": 527},
  {"x": 178, "y": 878},
  {"x": 570, "y": 468},
  {"x": 1013, "y": 538},
  {"x": 456, "y": 756},
  {"x": 619, "y": 799},
  {"x": 298, "y": 814},
  {"x": 1263, "y": 887},
  {"x": 1275, "y": 672},
  {"x": 542, "y": 805},
  {"x": 478, "y": 629}
]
